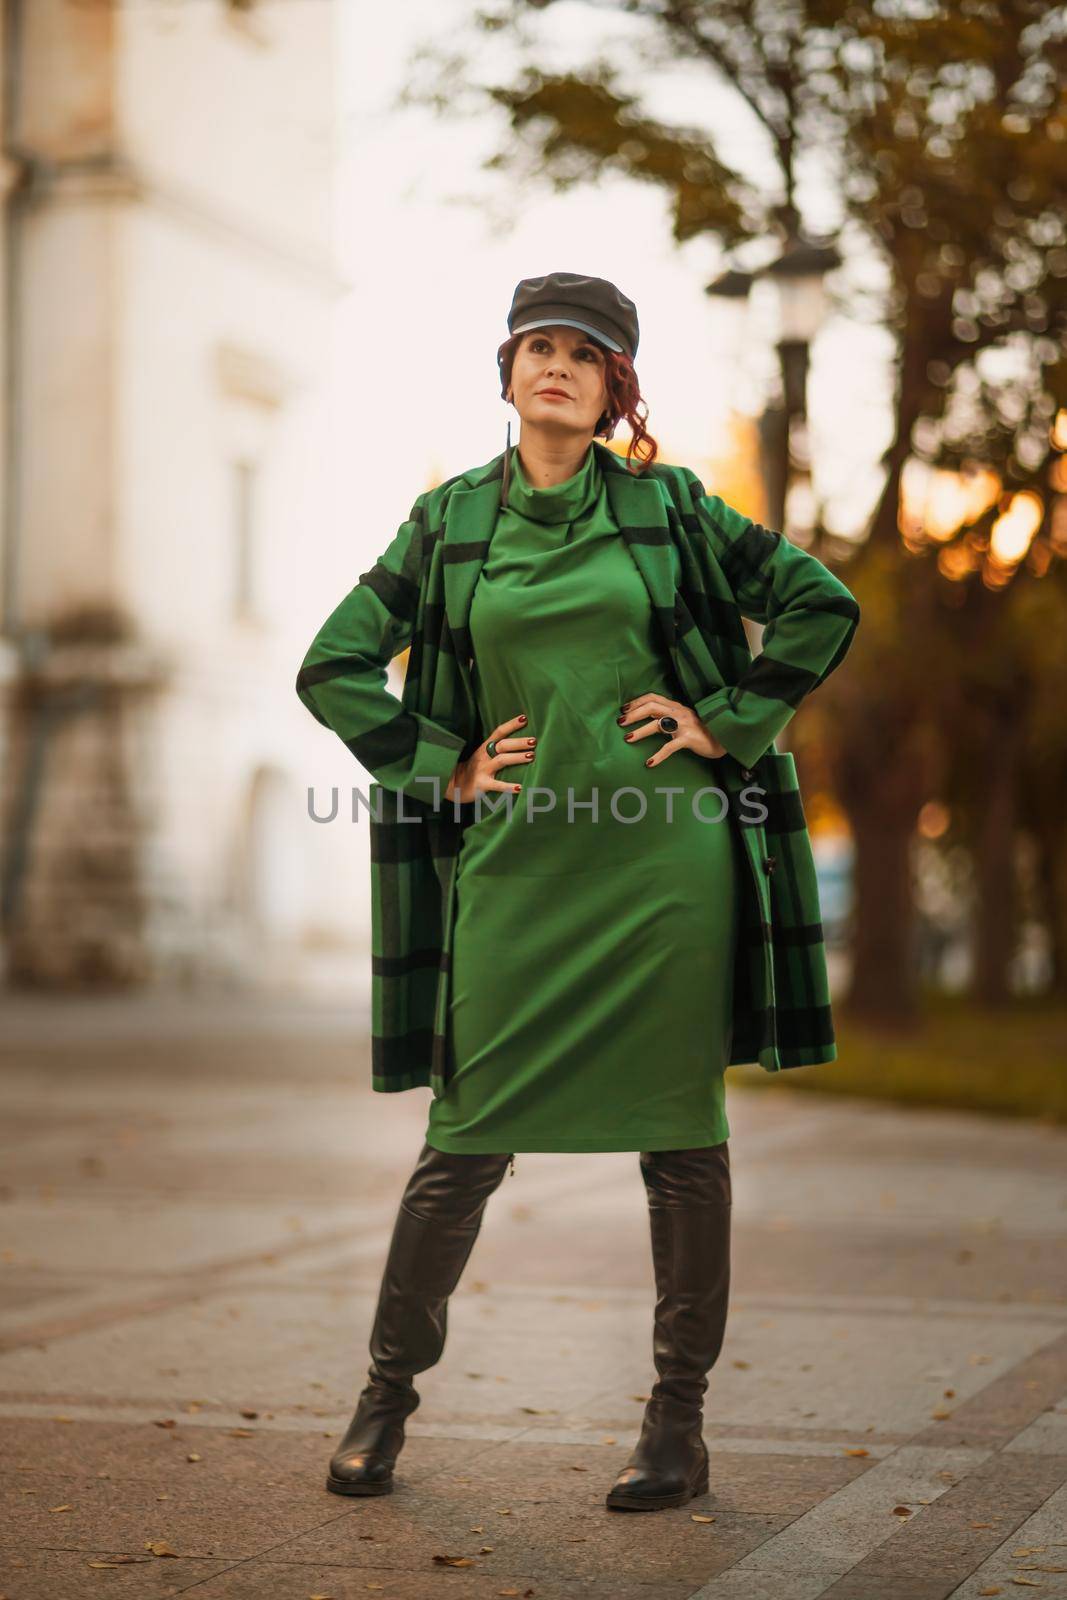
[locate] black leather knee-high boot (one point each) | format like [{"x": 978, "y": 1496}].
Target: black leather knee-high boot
[
  {"x": 689, "y": 1205},
  {"x": 438, "y": 1220}
]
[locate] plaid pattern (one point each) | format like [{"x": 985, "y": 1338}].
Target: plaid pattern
[{"x": 419, "y": 592}]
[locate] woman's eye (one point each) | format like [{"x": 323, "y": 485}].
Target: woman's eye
[{"x": 540, "y": 344}]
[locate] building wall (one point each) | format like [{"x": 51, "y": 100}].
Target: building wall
[{"x": 177, "y": 292}]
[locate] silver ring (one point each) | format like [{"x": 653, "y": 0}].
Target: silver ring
[
  {"x": 668, "y": 724},
  {"x": 490, "y": 748}
]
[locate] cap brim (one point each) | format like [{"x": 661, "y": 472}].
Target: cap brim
[{"x": 570, "y": 322}]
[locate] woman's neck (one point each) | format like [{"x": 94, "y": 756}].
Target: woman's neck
[{"x": 550, "y": 461}]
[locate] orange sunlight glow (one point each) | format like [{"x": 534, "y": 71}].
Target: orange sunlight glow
[{"x": 1015, "y": 528}]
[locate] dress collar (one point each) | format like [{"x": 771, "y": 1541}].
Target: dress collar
[{"x": 562, "y": 502}]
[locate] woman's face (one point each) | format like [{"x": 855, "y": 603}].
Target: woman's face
[{"x": 568, "y": 361}]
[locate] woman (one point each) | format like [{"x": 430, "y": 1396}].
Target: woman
[{"x": 596, "y": 937}]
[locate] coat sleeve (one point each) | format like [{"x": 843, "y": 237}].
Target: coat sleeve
[
  {"x": 342, "y": 680},
  {"x": 809, "y": 618}
]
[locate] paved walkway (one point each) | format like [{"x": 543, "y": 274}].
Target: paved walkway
[{"x": 197, "y": 1202}]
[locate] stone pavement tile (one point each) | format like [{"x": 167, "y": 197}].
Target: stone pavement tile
[
  {"x": 66, "y": 1575},
  {"x": 201, "y": 1349},
  {"x": 939, "y": 1545},
  {"x": 579, "y": 1537},
  {"x": 782, "y": 1484},
  {"x": 20, "y": 1295},
  {"x": 156, "y": 1457},
  {"x": 169, "y": 1232},
  {"x": 1046, "y": 1435},
  {"x": 821, "y": 1546},
  {"x": 528, "y": 1470},
  {"x": 198, "y": 1518},
  {"x": 944, "y": 1262},
  {"x": 929, "y": 1137},
  {"x": 1035, "y": 1549},
  {"x": 1011, "y": 1401},
  {"x": 907, "y": 1197},
  {"x": 264, "y": 1579}
]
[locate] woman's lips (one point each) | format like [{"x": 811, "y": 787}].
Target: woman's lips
[{"x": 552, "y": 394}]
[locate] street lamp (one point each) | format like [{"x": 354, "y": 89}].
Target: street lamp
[{"x": 797, "y": 277}]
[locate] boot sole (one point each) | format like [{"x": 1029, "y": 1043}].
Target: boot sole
[
  {"x": 340, "y": 1486},
  {"x": 618, "y": 1500}
]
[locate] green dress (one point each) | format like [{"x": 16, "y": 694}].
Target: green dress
[{"x": 593, "y": 951}]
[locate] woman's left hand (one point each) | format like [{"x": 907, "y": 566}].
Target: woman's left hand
[{"x": 690, "y": 734}]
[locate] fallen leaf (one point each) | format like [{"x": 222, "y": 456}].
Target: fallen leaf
[
  {"x": 940, "y": 1415},
  {"x": 193, "y": 1457},
  {"x": 902, "y": 1511},
  {"x": 61, "y": 1508},
  {"x": 1029, "y": 1583},
  {"x": 454, "y": 1561},
  {"x": 118, "y": 1561},
  {"x": 245, "y": 1433},
  {"x": 575, "y": 1468},
  {"x": 166, "y": 1422},
  {"x": 697, "y": 1516},
  {"x": 486, "y": 1549},
  {"x": 743, "y": 1365},
  {"x": 160, "y": 1547},
  {"x": 252, "y": 1415},
  {"x": 857, "y": 1452},
  {"x": 609, "y": 1438},
  {"x": 994, "y": 1589}
]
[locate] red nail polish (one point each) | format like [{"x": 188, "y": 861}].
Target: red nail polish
[
  {"x": 620, "y": 719},
  {"x": 522, "y": 718},
  {"x": 627, "y": 737},
  {"x": 648, "y": 763}
]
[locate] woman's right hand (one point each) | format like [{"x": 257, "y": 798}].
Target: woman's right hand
[{"x": 477, "y": 775}]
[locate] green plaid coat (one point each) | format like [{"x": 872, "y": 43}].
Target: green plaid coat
[{"x": 418, "y": 594}]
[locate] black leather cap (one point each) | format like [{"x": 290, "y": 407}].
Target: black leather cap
[{"x": 592, "y": 304}]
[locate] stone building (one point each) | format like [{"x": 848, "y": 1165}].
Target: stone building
[{"x": 169, "y": 289}]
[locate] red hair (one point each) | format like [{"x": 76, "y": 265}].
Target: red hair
[{"x": 624, "y": 397}]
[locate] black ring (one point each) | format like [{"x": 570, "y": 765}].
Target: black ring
[
  {"x": 490, "y": 748},
  {"x": 668, "y": 724}
]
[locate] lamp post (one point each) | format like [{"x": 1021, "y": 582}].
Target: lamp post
[{"x": 797, "y": 277}]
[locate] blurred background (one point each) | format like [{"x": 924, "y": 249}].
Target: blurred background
[{"x": 257, "y": 256}]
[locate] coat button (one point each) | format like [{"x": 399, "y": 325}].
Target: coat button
[{"x": 769, "y": 863}]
